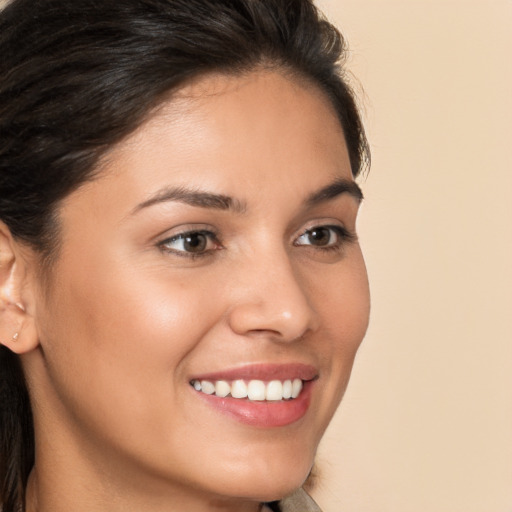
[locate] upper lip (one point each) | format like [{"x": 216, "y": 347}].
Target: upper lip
[{"x": 262, "y": 371}]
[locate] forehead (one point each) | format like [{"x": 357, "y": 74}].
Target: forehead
[
  {"x": 259, "y": 138},
  {"x": 238, "y": 118}
]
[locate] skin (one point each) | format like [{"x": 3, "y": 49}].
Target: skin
[{"x": 110, "y": 345}]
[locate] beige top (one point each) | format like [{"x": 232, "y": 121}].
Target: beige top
[{"x": 299, "y": 501}]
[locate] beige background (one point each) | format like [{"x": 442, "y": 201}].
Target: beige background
[{"x": 426, "y": 425}]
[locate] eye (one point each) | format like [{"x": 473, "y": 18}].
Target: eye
[
  {"x": 191, "y": 243},
  {"x": 325, "y": 237}
]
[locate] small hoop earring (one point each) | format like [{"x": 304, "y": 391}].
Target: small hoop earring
[{"x": 15, "y": 337}]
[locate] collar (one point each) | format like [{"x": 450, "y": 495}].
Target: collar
[{"x": 299, "y": 501}]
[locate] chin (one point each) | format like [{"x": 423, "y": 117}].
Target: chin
[{"x": 271, "y": 480}]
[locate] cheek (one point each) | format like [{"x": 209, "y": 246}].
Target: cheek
[
  {"x": 122, "y": 337},
  {"x": 345, "y": 307},
  {"x": 342, "y": 301}
]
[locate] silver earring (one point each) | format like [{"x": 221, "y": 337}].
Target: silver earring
[{"x": 15, "y": 337}]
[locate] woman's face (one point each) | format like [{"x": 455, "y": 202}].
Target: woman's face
[{"x": 215, "y": 249}]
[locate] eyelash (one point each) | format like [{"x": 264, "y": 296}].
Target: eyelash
[
  {"x": 209, "y": 235},
  {"x": 344, "y": 236}
]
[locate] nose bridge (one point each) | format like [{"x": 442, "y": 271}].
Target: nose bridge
[{"x": 271, "y": 297}]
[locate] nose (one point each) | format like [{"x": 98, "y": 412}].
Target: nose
[{"x": 271, "y": 298}]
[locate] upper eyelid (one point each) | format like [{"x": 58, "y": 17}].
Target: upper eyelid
[
  {"x": 164, "y": 244},
  {"x": 322, "y": 223},
  {"x": 341, "y": 230},
  {"x": 182, "y": 234},
  {"x": 179, "y": 231}
]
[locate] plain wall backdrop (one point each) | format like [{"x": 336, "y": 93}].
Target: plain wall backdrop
[{"x": 426, "y": 424}]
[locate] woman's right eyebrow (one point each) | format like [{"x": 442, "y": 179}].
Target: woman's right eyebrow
[{"x": 193, "y": 197}]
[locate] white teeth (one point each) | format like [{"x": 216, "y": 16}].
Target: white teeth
[
  {"x": 239, "y": 389},
  {"x": 287, "y": 389},
  {"x": 207, "y": 387},
  {"x": 296, "y": 387},
  {"x": 256, "y": 390},
  {"x": 222, "y": 388},
  {"x": 274, "y": 390}
]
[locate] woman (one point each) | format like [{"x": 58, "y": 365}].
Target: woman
[{"x": 182, "y": 289}]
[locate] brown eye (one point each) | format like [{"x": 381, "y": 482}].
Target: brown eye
[
  {"x": 326, "y": 238},
  {"x": 195, "y": 242},
  {"x": 191, "y": 243},
  {"x": 320, "y": 236}
]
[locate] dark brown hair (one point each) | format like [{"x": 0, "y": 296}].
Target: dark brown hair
[{"x": 76, "y": 77}]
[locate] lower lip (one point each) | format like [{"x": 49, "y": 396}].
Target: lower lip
[{"x": 262, "y": 413}]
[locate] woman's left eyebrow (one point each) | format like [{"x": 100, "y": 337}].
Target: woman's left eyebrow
[{"x": 338, "y": 187}]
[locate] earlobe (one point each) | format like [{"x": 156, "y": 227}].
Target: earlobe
[{"x": 17, "y": 329}]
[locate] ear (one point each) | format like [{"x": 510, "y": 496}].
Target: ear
[{"x": 17, "y": 326}]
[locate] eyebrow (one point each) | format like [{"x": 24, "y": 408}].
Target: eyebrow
[
  {"x": 338, "y": 187},
  {"x": 222, "y": 202},
  {"x": 193, "y": 198}
]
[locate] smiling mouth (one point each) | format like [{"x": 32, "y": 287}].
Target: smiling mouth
[
  {"x": 259, "y": 395},
  {"x": 254, "y": 390}
]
